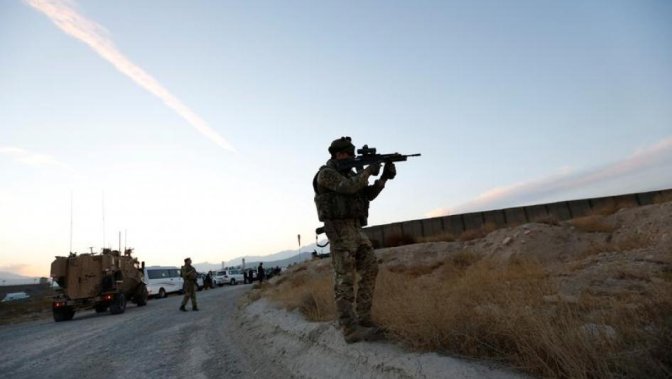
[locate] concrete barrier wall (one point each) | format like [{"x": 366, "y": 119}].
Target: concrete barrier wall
[{"x": 454, "y": 225}]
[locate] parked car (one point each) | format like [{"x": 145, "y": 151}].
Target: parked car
[
  {"x": 229, "y": 276},
  {"x": 251, "y": 276},
  {"x": 15, "y": 296},
  {"x": 218, "y": 278},
  {"x": 200, "y": 281}
]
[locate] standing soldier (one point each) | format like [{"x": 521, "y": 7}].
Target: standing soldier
[
  {"x": 342, "y": 198},
  {"x": 261, "y": 272},
  {"x": 189, "y": 275}
]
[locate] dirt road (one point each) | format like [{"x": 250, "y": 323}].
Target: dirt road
[{"x": 152, "y": 341}]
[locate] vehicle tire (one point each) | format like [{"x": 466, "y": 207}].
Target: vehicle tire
[
  {"x": 233, "y": 281},
  {"x": 141, "y": 296},
  {"x": 101, "y": 307},
  {"x": 162, "y": 293},
  {"x": 63, "y": 314},
  {"x": 118, "y": 305}
]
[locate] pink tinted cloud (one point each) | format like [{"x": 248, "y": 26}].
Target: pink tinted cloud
[{"x": 651, "y": 157}]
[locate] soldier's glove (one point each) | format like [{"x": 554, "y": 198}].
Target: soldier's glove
[
  {"x": 390, "y": 171},
  {"x": 373, "y": 169}
]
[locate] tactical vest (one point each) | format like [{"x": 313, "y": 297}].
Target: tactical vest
[{"x": 332, "y": 205}]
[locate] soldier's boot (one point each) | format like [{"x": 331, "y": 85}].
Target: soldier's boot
[
  {"x": 367, "y": 322},
  {"x": 182, "y": 308},
  {"x": 358, "y": 333},
  {"x": 194, "y": 308}
]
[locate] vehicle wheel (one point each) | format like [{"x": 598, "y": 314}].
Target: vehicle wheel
[
  {"x": 118, "y": 305},
  {"x": 141, "y": 296},
  {"x": 63, "y": 314},
  {"x": 233, "y": 281},
  {"x": 101, "y": 307},
  {"x": 162, "y": 293}
]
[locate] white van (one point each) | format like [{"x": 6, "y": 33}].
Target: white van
[{"x": 162, "y": 280}]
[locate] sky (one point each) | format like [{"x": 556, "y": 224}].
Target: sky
[{"x": 194, "y": 128}]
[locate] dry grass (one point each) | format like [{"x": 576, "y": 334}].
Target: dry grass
[
  {"x": 548, "y": 220},
  {"x": 613, "y": 206},
  {"x": 399, "y": 240},
  {"x": 32, "y": 309},
  {"x": 592, "y": 224},
  {"x": 442, "y": 237},
  {"x": 472, "y": 234},
  {"x": 662, "y": 197},
  {"x": 633, "y": 242},
  {"x": 309, "y": 291},
  {"x": 469, "y": 307}
]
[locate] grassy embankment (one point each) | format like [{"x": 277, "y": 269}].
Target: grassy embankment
[{"x": 468, "y": 306}]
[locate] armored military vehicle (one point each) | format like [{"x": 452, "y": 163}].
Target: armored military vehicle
[{"x": 97, "y": 281}]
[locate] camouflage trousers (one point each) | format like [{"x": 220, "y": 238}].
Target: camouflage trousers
[
  {"x": 189, "y": 293},
  {"x": 352, "y": 254}
]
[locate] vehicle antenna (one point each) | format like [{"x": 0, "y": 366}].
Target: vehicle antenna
[
  {"x": 70, "y": 221},
  {"x": 103, "y": 205}
]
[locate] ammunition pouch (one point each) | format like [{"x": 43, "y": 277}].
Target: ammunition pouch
[{"x": 336, "y": 206}]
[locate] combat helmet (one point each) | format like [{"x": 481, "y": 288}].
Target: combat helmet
[{"x": 342, "y": 144}]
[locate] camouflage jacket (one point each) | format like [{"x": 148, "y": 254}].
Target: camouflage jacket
[
  {"x": 343, "y": 194},
  {"x": 189, "y": 273}
]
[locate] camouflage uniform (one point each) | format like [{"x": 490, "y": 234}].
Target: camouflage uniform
[
  {"x": 342, "y": 199},
  {"x": 189, "y": 275}
]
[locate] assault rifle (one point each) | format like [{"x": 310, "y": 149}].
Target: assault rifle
[{"x": 367, "y": 156}]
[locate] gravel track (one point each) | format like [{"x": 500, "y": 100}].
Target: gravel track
[{"x": 156, "y": 340}]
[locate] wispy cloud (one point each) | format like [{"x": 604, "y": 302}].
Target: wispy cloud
[
  {"x": 656, "y": 157},
  {"x": 32, "y": 159},
  {"x": 66, "y": 17}
]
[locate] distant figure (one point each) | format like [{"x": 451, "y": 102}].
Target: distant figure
[
  {"x": 189, "y": 275},
  {"x": 207, "y": 282},
  {"x": 261, "y": 274}
]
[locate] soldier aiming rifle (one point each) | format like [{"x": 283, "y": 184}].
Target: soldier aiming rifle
[{"x": 342, "y": 199}]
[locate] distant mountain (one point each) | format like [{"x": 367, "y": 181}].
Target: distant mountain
[
  {"x": 281, "y": 259},
  {"x": 9, "y": 278}
]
